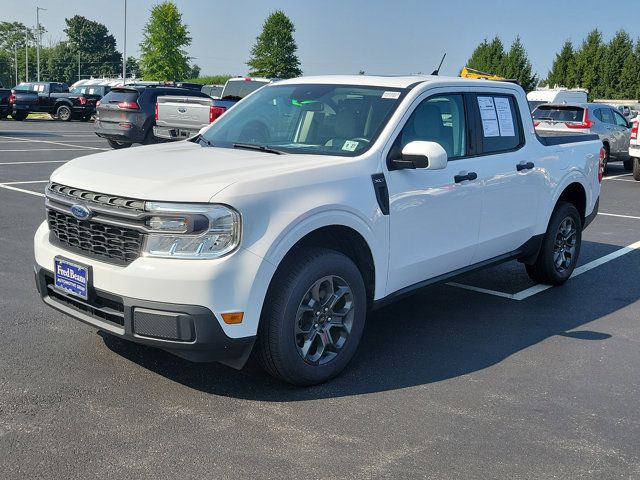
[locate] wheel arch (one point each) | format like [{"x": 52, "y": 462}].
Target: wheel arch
[{"x": 576, "y": 194}]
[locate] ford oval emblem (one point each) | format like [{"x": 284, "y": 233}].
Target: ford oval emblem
[
  {"x": 80, "y": 212},
  {"x": 182, "y": 110}
]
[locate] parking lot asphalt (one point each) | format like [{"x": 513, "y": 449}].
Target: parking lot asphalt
[{"x": 490, "y": 377}]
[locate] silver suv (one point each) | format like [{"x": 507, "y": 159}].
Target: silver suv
[{"x": 589, "y": 118}]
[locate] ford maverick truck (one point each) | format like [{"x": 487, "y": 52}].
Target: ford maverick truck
[{"x": 275, "y": 230}]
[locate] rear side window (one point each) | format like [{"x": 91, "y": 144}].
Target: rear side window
[
  {"x": 607, "y": 116},
  {"x": 238, "y": 89},
  {"x": 500, "y": 123},
  {"x": 121, "y": 95}
]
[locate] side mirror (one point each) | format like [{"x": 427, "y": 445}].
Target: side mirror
[{"x": 421, "y": 154}]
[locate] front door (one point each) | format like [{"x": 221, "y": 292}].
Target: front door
[{"x": 434, "y": 217}]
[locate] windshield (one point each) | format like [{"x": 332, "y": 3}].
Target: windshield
[
  {"x": 318, "y": 119},
  {"x": 238, "y": 89}
]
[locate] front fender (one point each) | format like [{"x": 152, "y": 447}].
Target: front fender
[{"x": 331, "y": 216}]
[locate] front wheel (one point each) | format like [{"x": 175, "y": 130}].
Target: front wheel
[
  {"x": 63, "y": 113},
  {"x": 19, "y": 116},
  {"x": 313, "y": 317},
  {"x": 560, "y": 247},
  {"x": 636, "y": 169}
]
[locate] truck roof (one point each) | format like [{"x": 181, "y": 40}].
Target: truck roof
[{"x": 393, "y": 81}]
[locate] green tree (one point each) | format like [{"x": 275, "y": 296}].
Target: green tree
[
  {"x": 588, "y": 65},
  {"x": 630, "y": 76},
  {"x": 488, "y": 57},
  {"x": 618, "y": 52},
  {"x": 62, "y": 64},
  {"x": 163, "y": 46},
  {"x": 274, "y": 53},
  {"x": 16, "y": 34},
  {"x": 516, "y": 65},
  {"x": 133, "y": 67},
  {"x": 96, "y": 45},
  {"x": 562, "y": 71}
]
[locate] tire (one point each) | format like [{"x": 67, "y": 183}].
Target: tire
[
  {"x": 636, "y": 169},
  {"x": 118, "y": 145},
  {"x": 628, "y": 165},
  {"x": 565, "y": 219},
  {"x": 63, "y": 112},
  {"x": 606, "y": 159},
  {"x": 293, "y": 351},
  {"x": 150, "y": 138},
  {"x": 19, "y": 116}
]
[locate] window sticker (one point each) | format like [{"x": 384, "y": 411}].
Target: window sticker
[
  {"x": 489, "y": 117},
  {"x": 350, "y": 145},
  {"x": 505, "y": 118},
  {"x": 391, "y": 95}
]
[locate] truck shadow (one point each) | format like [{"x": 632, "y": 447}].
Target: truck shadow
[{"x": 437, "y": 334}]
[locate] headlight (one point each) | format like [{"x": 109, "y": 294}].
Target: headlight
[{"x": 191, "y": 231}]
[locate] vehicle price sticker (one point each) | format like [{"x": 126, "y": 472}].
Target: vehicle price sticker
[
  {"x": 391, "y": 95},
  {"x": 489, "y": 117},
  {"x": 505, "y": 118},
  {"x": 350, "y": 145}
]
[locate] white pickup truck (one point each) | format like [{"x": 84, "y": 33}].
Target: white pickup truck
[
  {"x": 634, "y": 147},
  {"x": 307, "y": 204}
]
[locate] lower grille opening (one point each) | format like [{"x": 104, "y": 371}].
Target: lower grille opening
[{"x": 110, "y": 309}]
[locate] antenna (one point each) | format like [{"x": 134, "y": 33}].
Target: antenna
[{"x": 437, "y": 70}]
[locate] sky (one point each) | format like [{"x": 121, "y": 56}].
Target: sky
[{"x": 346, "y": 36}]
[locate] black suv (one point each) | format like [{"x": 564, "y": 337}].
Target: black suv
[{"x": 126, "y": 114}]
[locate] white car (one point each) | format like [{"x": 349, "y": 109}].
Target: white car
[{"x": 308, "y": 203}]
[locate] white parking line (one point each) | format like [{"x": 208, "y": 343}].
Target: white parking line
[
  {"x": 47, "y": 149},
  {"x": 613, "y": 177},
  {"x": 624, "y": 180},
  {"x": 620, "y": 216},
  {"x": 57, "y": 143},
  {"x": 531, "y": 291},
  {"x": 29, "y": 163},
  {"x": 22, "y": 190}
]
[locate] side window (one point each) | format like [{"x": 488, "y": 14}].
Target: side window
[
  {"x": 607, "y": 116},
  {"x": 620, "y": 120},
  {"x": 439, "y": 119},
  {"x": 598, "y": 114},
  {"x": 500, "y": 125}
]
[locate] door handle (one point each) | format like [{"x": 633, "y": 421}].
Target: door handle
[
  {"x": 524, "y": 166},
  {"x": 468, "y": 176}
]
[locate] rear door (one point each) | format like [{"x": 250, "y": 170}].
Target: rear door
[
  {"x": 612, "y": 132},
  {"x": 623, "y": 134},
  {"x": 512, "y": 180}
]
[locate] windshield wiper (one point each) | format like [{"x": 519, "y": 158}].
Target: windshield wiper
[{"x": 260, "y": 148}]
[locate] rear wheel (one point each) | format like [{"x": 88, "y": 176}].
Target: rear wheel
[
  {"x": 560, "y": 247},
  {"x": 19, "y": 116},
  {"x": 118, "y": 145},
  {"x": 636, "y": 169},
  {"x": 607, "y": 157},
  {"x": 628, "y": 165},
  {"x": 313, "y": 317},
  {"x": 63, "y": 112}
]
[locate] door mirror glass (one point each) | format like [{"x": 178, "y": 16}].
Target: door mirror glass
[{"x": 424, "y": 154}]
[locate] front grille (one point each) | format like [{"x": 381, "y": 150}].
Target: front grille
[
  {"x": 112, "y": 244},
  {"x": 99, "y": 198},
  {"x": 98, "y": 305}
]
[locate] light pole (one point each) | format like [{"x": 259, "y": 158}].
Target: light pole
[
  {"x": 39, "y": 36},
  {"x": 124, "y": 47}
]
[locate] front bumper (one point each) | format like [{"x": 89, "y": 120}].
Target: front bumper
[
  {"x": 634, "y": 151},
  {"x": 204, "y": 289},
  {"x": 188, "y": 331}
]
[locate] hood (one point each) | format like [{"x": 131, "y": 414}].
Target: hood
[{"x": 178, "y": 172}]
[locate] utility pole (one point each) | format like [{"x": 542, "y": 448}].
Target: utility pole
[
  {"x": 124, "y": 48},
  {"x": 39, "y": 36},
  {"x": 26, "y": 56},
  {"x": 15, "y": 60}
]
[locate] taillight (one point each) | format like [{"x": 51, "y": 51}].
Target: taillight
[
  {"x": 129, "y": 105},
  {"x": 82, "y": 100},
  {"x": 586, "y": 123},
  {"x": 215, "y": 112},
  {"x": 634, "y": 129},
  {"x": 97, "y": 103},
  {"x": 156, "y": 112},
  {"x": 12, "y": 98},
  {"x": 535, "y": 124},
  {"x": 603, "y": 154}
]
